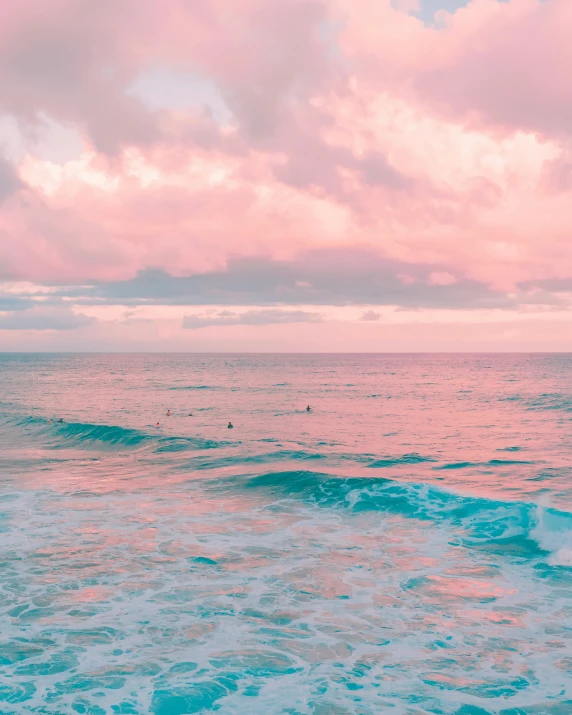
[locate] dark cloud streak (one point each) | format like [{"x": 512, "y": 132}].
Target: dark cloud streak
[
  {"x": 326, "y": 277},
  {"x": 251, "y": 317},
  {"x": 44, "y": 318}
]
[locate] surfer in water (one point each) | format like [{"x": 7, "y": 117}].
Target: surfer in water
[
  {"x": 308, "y": 409},
  {"x": 230, "y": 425}
]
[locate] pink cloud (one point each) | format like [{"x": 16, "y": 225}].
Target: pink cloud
[
  {"x": 346, "y": 125},
  {"x": 510, "y": 71}
]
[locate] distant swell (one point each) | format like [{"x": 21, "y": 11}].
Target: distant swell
[
  {"x": 194, "y": 387},
  {"x": 412, "y": 458},
  {"x": 181, "y": 444},
  {"x": 109, "y": 434},
  {"x": 551, "y": 401},
  {"x": 82, "y": 434},
  {"x": 490, "y": 463}
]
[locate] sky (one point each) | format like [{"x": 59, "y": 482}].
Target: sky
[{"x": 286, "y": 175}]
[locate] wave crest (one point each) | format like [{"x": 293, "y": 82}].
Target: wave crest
[{"x": 524, "y": 529}]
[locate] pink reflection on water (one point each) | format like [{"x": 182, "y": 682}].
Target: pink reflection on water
[
  {"x": 497, "y": 617},
  {"x": 92, "y": 594},
  {"x": 447, "y": 588}
]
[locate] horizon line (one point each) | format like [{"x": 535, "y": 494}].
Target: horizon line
[{"x": 223, "y": 353}]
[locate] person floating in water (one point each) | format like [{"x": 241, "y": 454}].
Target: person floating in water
[
  {"x": 308, "y": 409},
  {"x": 60, "y": 420},
  {"x": 157, "y": 424},
  {"x": 230, "y": 425},
  {"x": 168, "y": 413}
]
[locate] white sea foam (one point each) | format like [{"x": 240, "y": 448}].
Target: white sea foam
[{"x": 553, "y": 533}]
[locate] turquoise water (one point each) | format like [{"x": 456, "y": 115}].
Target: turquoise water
[{"x": 405, "y": 547}]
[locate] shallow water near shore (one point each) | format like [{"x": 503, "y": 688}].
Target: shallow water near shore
[{"x": 404, "y": 547}]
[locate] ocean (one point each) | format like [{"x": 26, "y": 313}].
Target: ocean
[{"x": 404, "y": 547}]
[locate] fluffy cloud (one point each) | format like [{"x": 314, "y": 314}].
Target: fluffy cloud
[
  {"x": 510, "y": 70},
  {"x": 71, "y": 60},
  {"x": 9, "y": 180},
  {"x": 371, "y": 315}
]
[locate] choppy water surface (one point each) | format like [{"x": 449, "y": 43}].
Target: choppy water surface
[{"x": 405, "y": 547}]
